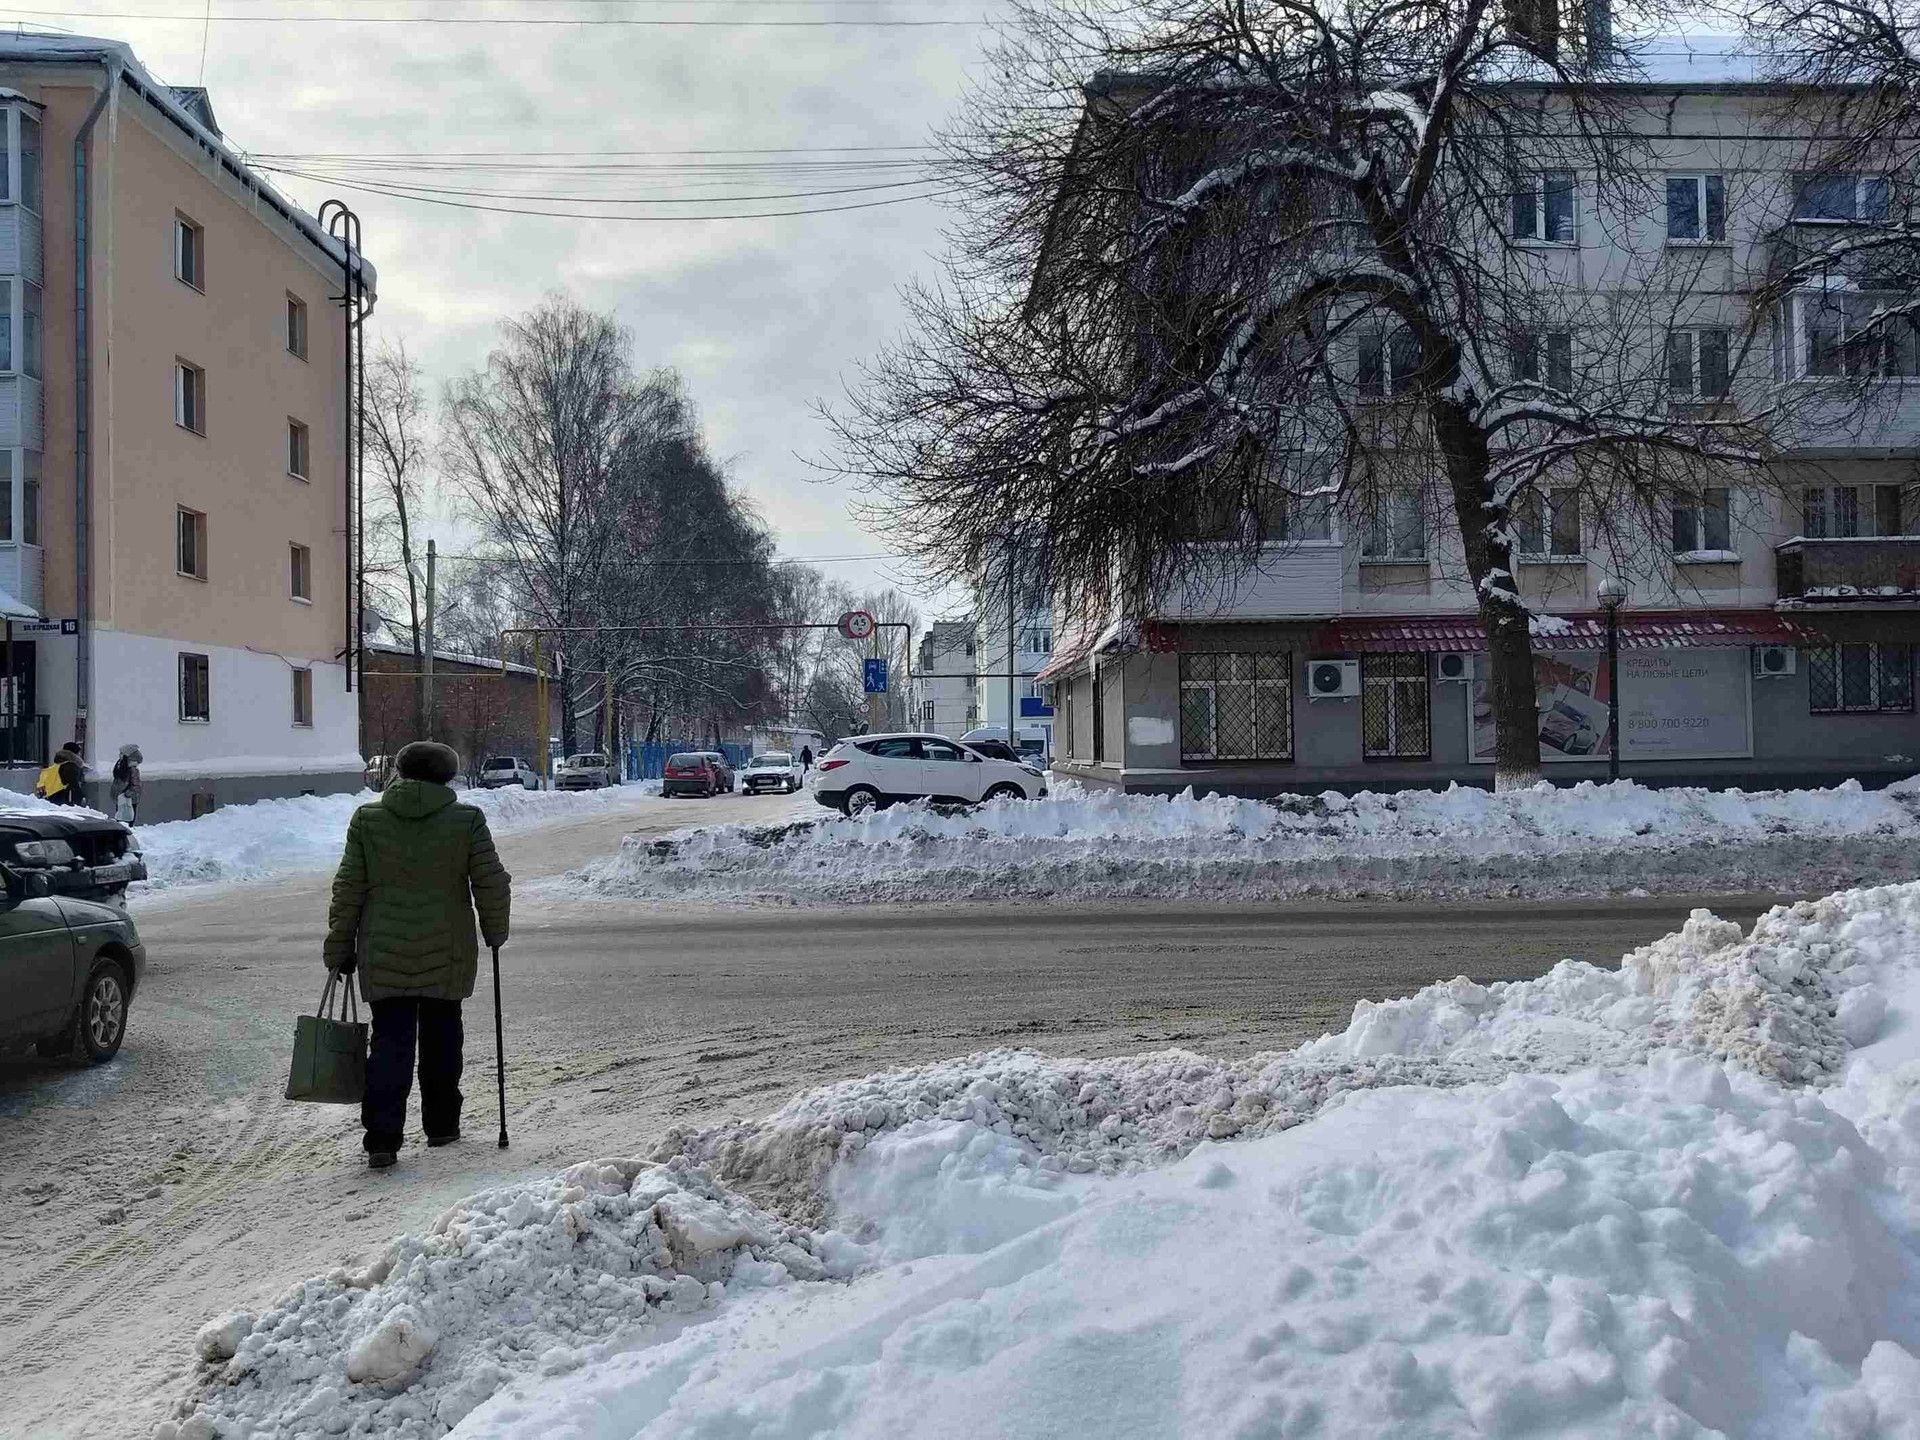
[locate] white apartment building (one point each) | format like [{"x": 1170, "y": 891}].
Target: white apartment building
[
  {"x": 945, "y": 680},
  {"x": 1768, "y": 633}
]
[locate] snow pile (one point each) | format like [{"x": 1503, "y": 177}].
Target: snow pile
[
  {"x": 1587, "y": 839},
  {"x": 271, "y": 838},
  {"x": 1674, "y": 1199},
  {"x": 542, "y": 1277}
]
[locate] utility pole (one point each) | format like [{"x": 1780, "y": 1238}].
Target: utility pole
[
  {"x": 1013, "y": 664},
  {"x": 426, "y": 661}
]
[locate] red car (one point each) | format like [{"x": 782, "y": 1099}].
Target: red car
[{"x": 695, "y": 774}]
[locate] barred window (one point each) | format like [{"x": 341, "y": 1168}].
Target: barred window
[
  {"x": 1236, "y": 706},
  {"x": 1859, "y": 679},
  {"x": 1395, "y": 714}
]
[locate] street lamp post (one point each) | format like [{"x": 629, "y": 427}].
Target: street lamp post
[{"x": 1613, "y": 594}]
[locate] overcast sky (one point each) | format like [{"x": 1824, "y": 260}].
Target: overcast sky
[{"x": 763, "y": 317}]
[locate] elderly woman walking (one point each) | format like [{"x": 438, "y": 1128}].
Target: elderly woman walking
[{"x": 418, "y": 865}]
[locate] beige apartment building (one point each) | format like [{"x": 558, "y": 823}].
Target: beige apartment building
[{"x": 172, "y": 496}]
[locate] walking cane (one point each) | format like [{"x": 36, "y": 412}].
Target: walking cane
[{"x": 499, "y": 1047}]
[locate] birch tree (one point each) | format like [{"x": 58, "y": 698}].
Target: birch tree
[{"x": 400, "y": 443}]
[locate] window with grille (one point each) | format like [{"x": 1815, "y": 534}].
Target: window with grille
[
  {"x": 196, "y": 700},
  {"x": 1236, "y": 707},
  {"x": 1396, "y": 719},
  {"x": 1859, "y": 679}
]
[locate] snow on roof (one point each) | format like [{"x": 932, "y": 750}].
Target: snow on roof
[
  {"x": 387, "y": 647},
  {"x": 87, "y": 49}
]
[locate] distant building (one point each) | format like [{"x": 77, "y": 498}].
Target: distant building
[
  {"x": 945, "y": 700},
  {"x": 478, "y": 708},
  {"x": 171, "y": 491}
]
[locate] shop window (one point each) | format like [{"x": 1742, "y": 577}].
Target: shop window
[
  {"x": 1860, "y": 679},
  {"x": 1396, "y": 718},
  {"x": 1236, "y": 706}
]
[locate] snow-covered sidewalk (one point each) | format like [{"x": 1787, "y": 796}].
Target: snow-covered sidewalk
[
  {"x": 1677, "y": 1199},
  {"x": 1460, "y": 843},
  {"x": 273, "y": 838}
]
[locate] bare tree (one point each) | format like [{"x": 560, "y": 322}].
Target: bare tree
[
  {"x": 400, "y": 442},
  {"x": 1228, "y": 266}
]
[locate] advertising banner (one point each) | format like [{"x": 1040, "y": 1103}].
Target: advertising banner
[{"x": 1674, "y": 705}]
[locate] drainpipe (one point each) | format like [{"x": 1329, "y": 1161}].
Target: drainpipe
[{"x": 82, "y": 408}]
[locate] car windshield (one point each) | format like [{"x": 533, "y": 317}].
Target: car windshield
[
  {"x": 686, "y": 759},
  {"x": 501, "y": 762},
  {"x": 770, "y": 762},
  {"x": 583, "y": 762}
]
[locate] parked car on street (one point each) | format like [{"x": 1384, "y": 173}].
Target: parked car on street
[
  {"x": 1030, "y": 742},
  {"x": 695, "y": 773},
  {"x": 502, "y": 772},
  {"x": 85, "y": 856},
  {"x": 874, "y": 770},
  {"x": 724, "y": 766},
  {"x": 776, "y": 770},
  {"x": 586, "y": 771},
  {"x": 68, "y": 970}
]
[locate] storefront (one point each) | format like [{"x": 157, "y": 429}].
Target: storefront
[{"x": 1711, "y": 698}]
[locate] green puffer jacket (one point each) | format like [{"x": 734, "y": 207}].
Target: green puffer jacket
[{"x": 417, "y": 865}]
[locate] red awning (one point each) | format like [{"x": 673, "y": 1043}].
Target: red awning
[{"x": 1643, "y": 630}]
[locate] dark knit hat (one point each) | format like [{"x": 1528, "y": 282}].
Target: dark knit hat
[{"x": 427, "y": 760}]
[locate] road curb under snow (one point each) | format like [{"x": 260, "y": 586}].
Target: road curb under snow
[{"x": 1455, "y": 844}]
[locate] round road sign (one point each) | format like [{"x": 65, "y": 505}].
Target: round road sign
[{"x": 856, "y": 625}]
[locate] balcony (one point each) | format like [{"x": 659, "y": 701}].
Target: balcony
[
  {"x": 1295, "y": 581},
  {"x": 23, "y": 574},
  {"x": 1851, "y": 572}
]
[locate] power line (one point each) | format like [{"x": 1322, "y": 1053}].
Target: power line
[{"x": 500, "y": 20}]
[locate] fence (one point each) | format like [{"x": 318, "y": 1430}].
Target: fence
[{"x": 649, "y": 762}]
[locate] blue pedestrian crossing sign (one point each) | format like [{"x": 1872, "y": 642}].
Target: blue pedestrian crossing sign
[{"x": 876, "y": 676}]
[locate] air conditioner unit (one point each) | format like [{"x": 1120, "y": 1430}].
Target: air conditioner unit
[
  {"x": 1772, "y": 660},
  {"x": 1453, "y": 665},
  {"x": 1333, "y": 679}
]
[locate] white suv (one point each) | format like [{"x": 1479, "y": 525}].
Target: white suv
[
  {"x": 858, "y": 775},
  {"x": 503, "y": 771}
]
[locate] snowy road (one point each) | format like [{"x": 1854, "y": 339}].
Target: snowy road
[{"x": 145, "y": 1197}]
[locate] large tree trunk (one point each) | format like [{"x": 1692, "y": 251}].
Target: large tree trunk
[{"x": 1490, "y": 566}]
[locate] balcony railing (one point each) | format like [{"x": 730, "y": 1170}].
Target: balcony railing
[{"x": 1848, "y": 571}]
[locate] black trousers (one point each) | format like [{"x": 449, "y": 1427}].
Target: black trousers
[{"x": 396, "y": 1023}]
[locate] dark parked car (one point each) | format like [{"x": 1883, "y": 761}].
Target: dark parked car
[
  {"x": 68, "y": 970},
  {"x": 83, "y": 855},
  {"x": 696, "y": 773}
]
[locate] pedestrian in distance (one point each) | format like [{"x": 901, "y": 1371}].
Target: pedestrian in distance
[
  {"x": 126, "y": 784},
  {"x": 63, "y": 782},
  {"x": 418, "y": 865}
]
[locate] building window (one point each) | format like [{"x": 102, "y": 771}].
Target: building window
[
  {"x": 1099, "y": 715},
  {"x": 1697, "y": 208},
  {"x": 29, "y": 162},
  {"x": 191, "y": 549},
  {"x": 1859, "y": 679},
  {"x": 20, "y": 302},
  {"x": 1545, "y": 358},
  {"x": 190, "y": 397},
  {"x": 1543, "y": 208},
  {"x": 1548, "y": 524},
  {"x": 196, "y": 699},
  {"x": 1840, "y": 198},
  {"x": 1853, "y": 334},
  {"x": 1395, "y": 718},
  {"x": 296, "y": 326},
  {"x": 303, "y": 697},
  {"x": 300, "y": 576},
  {"x": 1396, "y": 528},
  {"x": 1703, "y": 523},
  {"x": 926, "y": 714},
  {"x": 296, "y": 449},
  {"x": 189, "y": 252},
  {"x": 1697, "y": 363},
  {"x": 1387, "y": 363},
  {"x": 1842, "y": 512},
  {"x": 24, "y": 466},
  {"x": 1236, "y": 707}
]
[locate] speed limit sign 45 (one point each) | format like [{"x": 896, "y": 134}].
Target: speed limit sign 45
[{"x": 857, "y": 625}]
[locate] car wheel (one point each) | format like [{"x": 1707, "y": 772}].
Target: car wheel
[
  {"x": 1006, "y": 791},
  {"x": 101, "y": 1023},
  {"x": 861, "y": 800}
]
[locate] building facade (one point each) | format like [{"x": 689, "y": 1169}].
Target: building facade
[
  {"x": 1768, "y": 631},
  {"x": 1021, "y": 655},
  {"x": 173, "y": 512},
  {"x": 946, "y": 679},
  {"x": 480, "y": 707}
]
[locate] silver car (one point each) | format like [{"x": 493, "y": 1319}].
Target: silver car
[{"x": 68, "y": 971}]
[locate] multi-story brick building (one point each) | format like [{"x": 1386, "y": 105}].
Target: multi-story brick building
[{"x": 172, "y": 512}]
